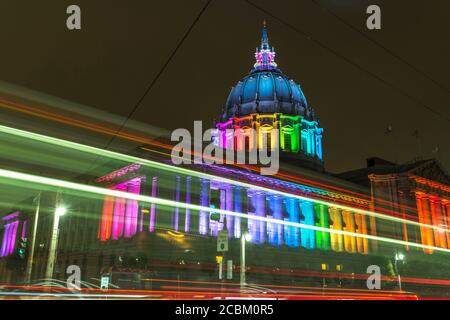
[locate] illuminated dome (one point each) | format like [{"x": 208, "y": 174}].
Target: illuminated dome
[
  {"x": 266, "y": 100},
  {"x": 266, "y": 90}
]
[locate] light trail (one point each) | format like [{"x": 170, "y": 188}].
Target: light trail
[
  {"x": 28, "y": 178},
  {"x": 171, "y": 168},
  {"x": 131, "y": 137},
  {"x": 393, "y": 213},
  {"x": 194, "y": 293},
  {"x": 71, "y": 295},
  {"x": 273, "y": 286},
  {"x": 301, "y": 273}
]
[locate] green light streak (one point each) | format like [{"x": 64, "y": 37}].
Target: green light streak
[
  {"x": 171, "y": 168},
  {"x": 108, "y": 192}
]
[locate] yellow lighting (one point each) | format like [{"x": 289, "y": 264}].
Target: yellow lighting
[{"x": 175, "y": 234}]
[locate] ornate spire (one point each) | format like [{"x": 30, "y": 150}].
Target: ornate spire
[
  {"x": 264, "y": 38},
  {"x": 265, "y": 57}
]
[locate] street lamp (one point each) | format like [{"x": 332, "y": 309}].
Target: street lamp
[
  {"x": 30, "y": 261},
  {"x": 399, "y": 256},
  {"x": 244, "y": 238},
  {"x": 59, "y": 212}
]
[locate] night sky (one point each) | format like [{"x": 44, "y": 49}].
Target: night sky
[{"x": 123, "y": 45}]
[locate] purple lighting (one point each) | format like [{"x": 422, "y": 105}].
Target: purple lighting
[
  {"x": 10, "y": 234},
  {"x": 188, "y": 201}
]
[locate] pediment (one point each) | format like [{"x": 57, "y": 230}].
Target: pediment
[{"x": 431, "y": 170}]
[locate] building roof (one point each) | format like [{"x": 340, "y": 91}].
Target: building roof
[
  {"x": 266, "y": 90},
  {"x": 426, "y": 168}
]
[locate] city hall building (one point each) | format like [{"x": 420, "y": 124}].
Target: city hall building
[{"x": 304, "y": 225}]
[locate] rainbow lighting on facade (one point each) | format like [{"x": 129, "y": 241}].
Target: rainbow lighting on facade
[
  {"x": 264, "y": 100},
  {"x": 348, "y": 237}
]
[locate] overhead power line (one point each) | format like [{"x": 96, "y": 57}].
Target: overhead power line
[
  {"x": 392, "y": 53},
  {"x": 161, "y": 71},
  {"x": 349, "y": 61}
]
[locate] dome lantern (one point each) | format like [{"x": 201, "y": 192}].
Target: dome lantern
[{"x": 265, "y": 57}]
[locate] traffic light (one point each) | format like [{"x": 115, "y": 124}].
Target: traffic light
[
  {"x": 214, "y": 203},
  {"x": 214, "y": 215},
  {"x": 23, "y": 247}
]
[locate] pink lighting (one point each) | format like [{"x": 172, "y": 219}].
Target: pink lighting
[
  {"x": 119, "y": 173},
  {"x": 120, "y": 216},
  {"x": 10, "y": 234}
]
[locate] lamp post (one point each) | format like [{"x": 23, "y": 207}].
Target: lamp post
[
  {"x": 244, "y": 238},
  {"x": 52, "y": 255},
  {"x": 33, "y": 240},
  {"x": 399, "y": 257}
]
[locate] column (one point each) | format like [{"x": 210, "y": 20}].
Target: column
[
  {"x": 322, "y": 237},
  {"x": 136, "y": 189},
  {"x": 252, "y": 223},
  {"x": 349, "y": 221},
  {"x": 219, "y": 225},
  {"x": 128, "y": 213},
  {"x": 424, "y": 218},
  {"x": 292, "y": 236},
  {"x": 187, "y": 214},
  {"x": 119, "y": 210},
  {"x": 237, "y": 208},
  {"x": 13, "y": 237},
  {"x": 439, "y": 221},
  {"x": 362, "y": 244},
  {"x": 276, "y": 229},
  {"x": 445, "y": 205},
  {"x": 105, "y": 224},
  {"x": 307, "y": 235},
  {"x": 403, "y": 212},
  {"x": 176, "y": 212},
  {"x": 229, "y": 206},
  {"x": 153, "y": 205},
  {"x": 261, "y": 212},
  {"x": 319, "y": 132},
  {"x": 337, "y": 239},
  {"x": 6, "y": 232},
  {"x": 204, "y": 202}
]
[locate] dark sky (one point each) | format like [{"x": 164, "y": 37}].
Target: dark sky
[{"x": 123, "y": 44}]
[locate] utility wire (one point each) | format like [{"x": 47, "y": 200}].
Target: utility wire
[
  {"x": 161, "y": 71},
  {"x": 322, "y": 45},
  {"x": 392, "y": 53}
]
